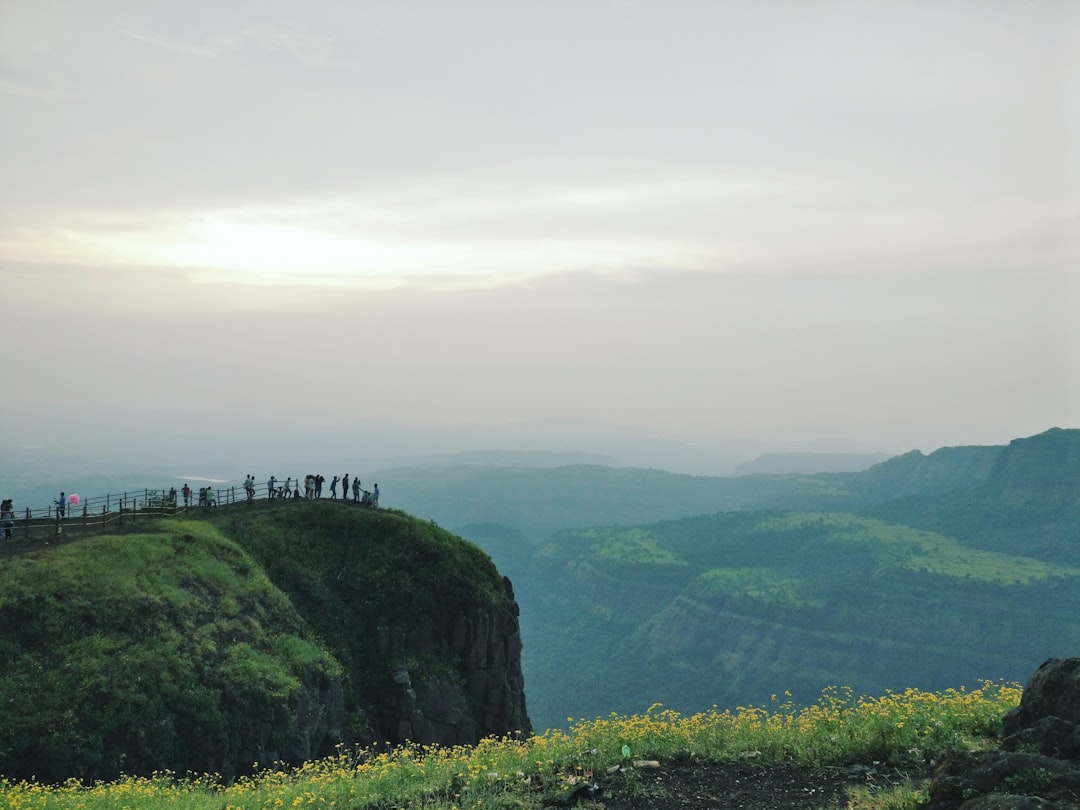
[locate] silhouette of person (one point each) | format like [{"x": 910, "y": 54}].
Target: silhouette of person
[
  {"x": 187, "y": 494},
  {"x": 333, "y": 487},
  {"x": 7, "y": 517}
]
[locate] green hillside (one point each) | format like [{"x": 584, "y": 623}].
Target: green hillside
[
  {"x": 249, "y": 635},
  {"x": 1028, "y": 503},
  {"x": 809, "y": 592},
  {"x": 535, "y": 503},
  {"x": 356, "y": 574},
  {"x": 733, "y": 607},
  {"x": 145, "y": 651}
]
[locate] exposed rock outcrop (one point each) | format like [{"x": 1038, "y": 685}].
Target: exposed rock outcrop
[
  {"x": 303, "y": 727},
  {"x": 425, "y": 627},
  {"x": 481, "y": 694},
  {"x": 1038, "y": 764}
]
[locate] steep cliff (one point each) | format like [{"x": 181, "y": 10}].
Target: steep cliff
[
  {"x": 425, "y": 627},
  {"x": 262, "y": 634}
]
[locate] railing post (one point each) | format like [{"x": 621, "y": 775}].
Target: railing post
[{"x": 28, "y": 515}]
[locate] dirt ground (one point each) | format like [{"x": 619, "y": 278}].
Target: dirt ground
[{"x": 720, "y": 786}]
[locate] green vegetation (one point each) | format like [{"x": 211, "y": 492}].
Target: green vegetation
[
  {"x": 908, "y": 730},
  {"x": 919, "y": 550},
  {"x": 730, "y": 607},
  {"x": 755, "y": 583},
  {"x": 354, "y": 574},
  {"x": 213, "y": 640},
  {"x": 923, "y": 571},
  {"x": 390, "y": 562},
  {"x": 145, "y": 643}
]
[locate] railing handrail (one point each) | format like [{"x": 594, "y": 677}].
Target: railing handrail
[{"x": 103, "y": 510}]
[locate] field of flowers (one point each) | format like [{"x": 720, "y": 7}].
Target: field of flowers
[{"x": 907, "y": 729}]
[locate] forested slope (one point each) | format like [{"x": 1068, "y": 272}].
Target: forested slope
[{"x": 976, "y": 577}]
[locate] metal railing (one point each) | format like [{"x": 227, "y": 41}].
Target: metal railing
[{"x": 96, "y": 514}]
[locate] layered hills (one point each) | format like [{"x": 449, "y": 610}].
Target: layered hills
[
  {"x": 272, "y": 633},
  {"x": 923, "y": 571},
  {"x": 268, "y": 633}
]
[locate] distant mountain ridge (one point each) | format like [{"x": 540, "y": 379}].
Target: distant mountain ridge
[
  {"x": 809, "y": 463},
  {"x": 1023, "y": 499},
  {"x": 924, "y": 570},
  {"x": 541, "y": 501}
]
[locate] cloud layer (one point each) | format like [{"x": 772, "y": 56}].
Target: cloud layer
[{"x": 718, "y": 219}]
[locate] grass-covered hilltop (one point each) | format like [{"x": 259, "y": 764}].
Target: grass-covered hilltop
[{"x": 262, "y": 633}]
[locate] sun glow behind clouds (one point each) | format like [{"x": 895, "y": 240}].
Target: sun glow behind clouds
[
  {"x": 441, "y": 234},
  {"x": 220, "y": 250},
  {"x": 289, "y": 247}
]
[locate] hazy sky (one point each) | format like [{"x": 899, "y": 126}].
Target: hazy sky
[{"x": 779, "y": 220}]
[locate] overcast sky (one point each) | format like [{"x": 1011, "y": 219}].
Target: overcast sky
[{"x": 782, "y": 220}]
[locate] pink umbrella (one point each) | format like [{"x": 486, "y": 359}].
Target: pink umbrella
[{"x": 73, "y": 499}]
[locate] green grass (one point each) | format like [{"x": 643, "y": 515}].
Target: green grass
[
  {"x": 393, "y": 562},
  {"x": 918, "y": 550},
  {"x": 908, "y": 730},
  {"x": 758, "y": 582},
  {"x": 743, "y": 545},
  {"x": 638, "y": 546},
  {"x": 153, "y": 639}
]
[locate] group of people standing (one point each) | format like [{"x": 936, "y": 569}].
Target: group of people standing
[
  {"x": 359, "y": 494},
  {"x": 313, "y": 489},
  {"x": 207, "y": 496}
]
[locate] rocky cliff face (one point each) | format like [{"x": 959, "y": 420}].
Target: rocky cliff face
[
  {"x": 424, "y": 626},
  {"x": 483, "y": 693},
  {"x": 1038, "y": 764},
  {"x": 305, "y": 725}
]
